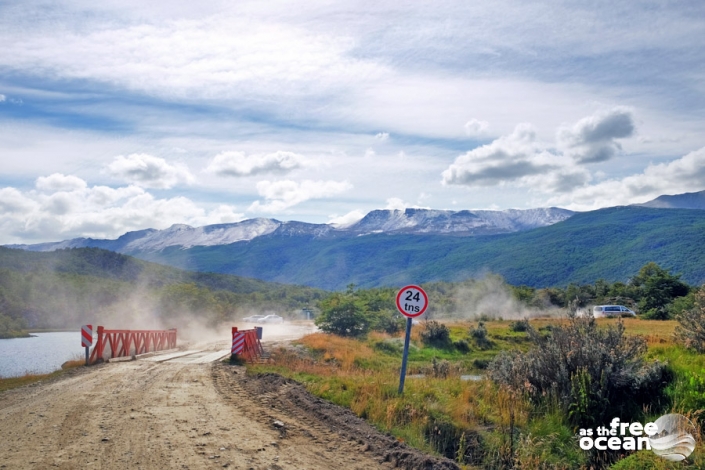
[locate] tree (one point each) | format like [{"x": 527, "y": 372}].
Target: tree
[
  {"x": 657, "y": 289},
  {"x": 344, "y": 315},
  {"x": 691, "y": 324}
]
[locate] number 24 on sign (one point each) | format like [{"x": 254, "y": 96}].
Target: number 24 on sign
[{"x": 412, "y": 301}]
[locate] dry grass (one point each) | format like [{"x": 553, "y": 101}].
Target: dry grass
[{"x": 337, "y": 350}]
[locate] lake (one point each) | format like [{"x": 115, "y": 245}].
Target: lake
[{"x": 41, "y": 354}]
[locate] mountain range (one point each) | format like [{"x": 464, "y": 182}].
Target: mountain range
[
  {"x": 536, "y": 247},
  {"x": 409, "y": 221}
]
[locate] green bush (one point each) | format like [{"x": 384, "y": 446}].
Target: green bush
[
  {"x": 593, "y": 374},
  {"x": 519, "y": 326},
  {"x": 435, "y": 334},
  {"x": 479, "y": 335},
  {"x": 462, "y": 346}
]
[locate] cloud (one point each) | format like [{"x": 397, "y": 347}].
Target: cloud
[
  {"x": 2, "y": 98},
  {"x": 395, "y": 203},
  {"x": 239, "y": 164},
  {"x": 382, "y": 136},
  {"x": 61, "y": 207},
  {"x": 281, "y": 195},
  {"x": 59, "y": 182},
  {"x": 592, "y": 139},
  {"x": 685, "y": 174},
  {"x": 149, "y": 172},
  {"x": 509, "y": 158},
  {"x": 199, "y": 58},
  {"x": 347, "y": 219},
  {"x": 475, "y": 128}
]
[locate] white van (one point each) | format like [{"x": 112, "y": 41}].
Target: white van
[{"x": 599, "y": 311}]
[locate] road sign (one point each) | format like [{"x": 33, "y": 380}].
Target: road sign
[
  {"x": 412, "y": 301},
  {"x": 86, "y": 335}
]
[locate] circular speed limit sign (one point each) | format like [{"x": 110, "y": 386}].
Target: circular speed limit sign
[{"x": 412, "y": 301}]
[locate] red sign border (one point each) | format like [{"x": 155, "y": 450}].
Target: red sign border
[{"x": 401, "y": 310}]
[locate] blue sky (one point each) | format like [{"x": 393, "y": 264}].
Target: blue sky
[{"x": 128, "y": 115}]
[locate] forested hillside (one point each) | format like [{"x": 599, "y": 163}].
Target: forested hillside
[{"x": 65, "y": 288}]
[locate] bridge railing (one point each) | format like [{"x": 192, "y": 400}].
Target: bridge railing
[{"x": 123, "y": 343}]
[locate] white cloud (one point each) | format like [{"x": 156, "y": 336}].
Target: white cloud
[
  {"x": 522, "y": 160},
  {"x": 149, "y": 172},
  {"x": 75, "y": 210},
  {"x": 224, "y": 56},
  {"x": 59, "y": 182},
  {"x": 395, "y": 203},
  {"x": 239, "y": 164},
  {"x": 685, "y": 174},
  {"x": 507, "y": 159},
  {"x": 14, "y": 203},
  {"x": 347, "y": 219},
  {"x": 281, "y": 195},
  {"x": 476, "y": 128},
  {"x": 382, "y": 136},
  {"x": 2, "y": 98},
  {"x": 593, "y": 139}
]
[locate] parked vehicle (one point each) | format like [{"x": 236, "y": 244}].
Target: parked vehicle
[
  {"x": 272, "y": 319},
  {"x": 600, "y": 311},
  {"x": 254, "y": 319}
]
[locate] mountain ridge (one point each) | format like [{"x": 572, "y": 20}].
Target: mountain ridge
[{"x": 414, "y": 221}]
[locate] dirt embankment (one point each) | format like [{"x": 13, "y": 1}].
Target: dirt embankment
[{"x": 146, "y": 415}]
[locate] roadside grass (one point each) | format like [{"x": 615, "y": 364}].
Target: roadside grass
[
  {"x": 475, "y": 423},
  {"x": 8, "y": 383}
]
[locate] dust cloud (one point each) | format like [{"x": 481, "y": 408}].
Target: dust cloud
[{"x": 491, "y": 298}]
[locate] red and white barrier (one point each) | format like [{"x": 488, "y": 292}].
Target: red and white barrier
[
  {"x": 238, "y": 342},
  {"x": 246, "y": 343},
  {"x": 86, "y": 336}
]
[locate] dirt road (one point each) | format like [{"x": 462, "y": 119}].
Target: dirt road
[{"x": 178, "y": 415}]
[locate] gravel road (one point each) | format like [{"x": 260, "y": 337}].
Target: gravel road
[{"x": 172, "y": 415}]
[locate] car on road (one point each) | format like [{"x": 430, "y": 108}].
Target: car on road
[
  {"x": 602, "y": 311},
  {"x": 272, "y": 319},
  {"x": 253, "y": 319}
]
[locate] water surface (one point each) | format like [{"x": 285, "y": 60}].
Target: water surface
[{"x": 41, "y": 354}]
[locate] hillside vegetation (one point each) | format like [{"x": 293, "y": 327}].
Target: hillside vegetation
[
  {"x": 66, "y": 288},
  {"x": 610, "y": 244}
]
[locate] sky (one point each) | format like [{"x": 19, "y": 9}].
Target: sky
[{"x": 124, "y": 115}]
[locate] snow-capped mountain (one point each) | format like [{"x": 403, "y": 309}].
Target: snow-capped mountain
[
  {"x": 409, "y": 221},
  {"x": 457, "y": 222}
]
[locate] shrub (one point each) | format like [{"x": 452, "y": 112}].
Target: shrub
[
  {"x": 481, "y": 363},
  {"x": 462, "y": 346},
  {"x": 388, "y": 321},
  {"x": 691, "y": 324},
  {"x": 440, "y": 369},
  {"x": 519, "y": 326},
  {"x": 592, "y": 374},
  {"x": 435, "y": 334},
  {"x": 479, "y": 335}
]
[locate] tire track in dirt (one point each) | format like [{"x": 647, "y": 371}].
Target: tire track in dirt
[{"x": 317, "y": 420}]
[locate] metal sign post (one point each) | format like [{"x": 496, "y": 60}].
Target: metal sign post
[{"x": 412, "y": 302}]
